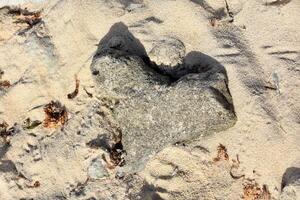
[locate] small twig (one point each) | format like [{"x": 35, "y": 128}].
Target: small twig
[
  {"x": 235, "y": 176},
  {"x": 88, "y": 93},
  {"x": 36, "y": 107},
  {"x": 278, "y": 3},
  {"x": 75, "y": 92},
  {"x": 228, "y": 10},
  {"x": 236, "y": 165},
  {"x": 270, "y": 87}
]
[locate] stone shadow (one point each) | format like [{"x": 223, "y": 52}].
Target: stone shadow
[{"x": 291, "y": 175}]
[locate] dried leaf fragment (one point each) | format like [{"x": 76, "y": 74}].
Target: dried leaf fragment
[
  {"x": 116, "y": 156},
  {"x": 4, "y": 84},
  {"x": 222, "y": 154},
  {"x": 34, "y": 185},
  {"x": 75, "y": 92},
  {"x": 56, "y": 114},
  {"x": 252, "y": 191},
  {"x": 24, "y": 15},
  {"x": 30, "y": 20}
]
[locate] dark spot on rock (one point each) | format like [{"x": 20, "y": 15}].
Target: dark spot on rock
[{"x": 95, "y": 73}]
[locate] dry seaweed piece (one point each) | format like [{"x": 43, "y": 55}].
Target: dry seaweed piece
[
  {"x": 252, "y": 191},
  {"x": 30, "y": 20},
  {"x": 116, "y": 156},
  {"x": 24, "y": 15},
  {"x": 56, "y": 114},
  {"x": 4, "y": 84},
  {"x": 75, "y": 92},
  {"x": 222, "y": 153},
  {"x": 116, "y": 151},
  {"x": 28, "y": 124}
]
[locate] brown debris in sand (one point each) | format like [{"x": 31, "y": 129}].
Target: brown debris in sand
[
  {"x": 222, "y": 154},
  {"x": 4, "y": 84},
  {"x": 31, "y": 18},
  {"x": 252, "y": 191},
  {"x": 116, "y": 153},
  {"x": 29, "y": 124},
  {"x": 35, "y": 184},
  {"x": 75, "y": 92},
  {"x": 5, "y": 132},
  {"x": 116, "y": 150},
  {"x": 3, "y": 127},
  {"x": 56, "y": 114}
]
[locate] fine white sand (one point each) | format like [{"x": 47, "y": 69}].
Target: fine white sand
[{"x": 260, "y": 48}]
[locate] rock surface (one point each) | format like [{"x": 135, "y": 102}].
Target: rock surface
[
  {"x": 291, "y": 184},
  {"x": 168, "y": 53},
  {"x": 158, "y": 108}
]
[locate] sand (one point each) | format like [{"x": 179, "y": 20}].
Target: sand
[{"x": 258, "y": 46}]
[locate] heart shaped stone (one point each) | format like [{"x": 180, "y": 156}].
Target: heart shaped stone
[{"x": 158, "y": 105}]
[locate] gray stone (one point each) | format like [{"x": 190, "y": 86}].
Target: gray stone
[
  {"x": 168, "y": 53},
  {"x": 158, "y": 107},
  {"x": 291, "y": 184},
  {"x": 96, "y": 169}
]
